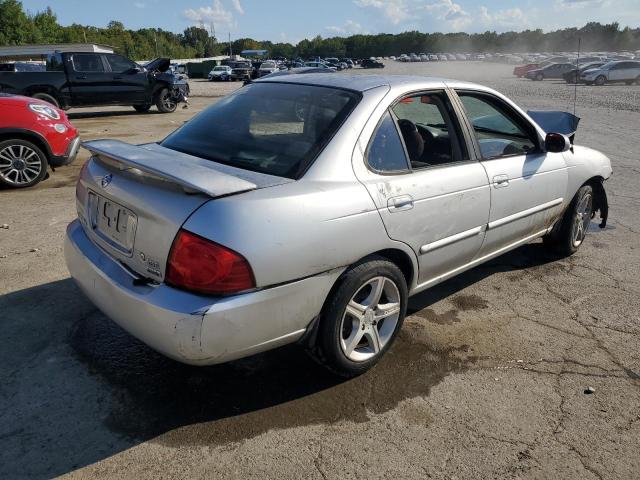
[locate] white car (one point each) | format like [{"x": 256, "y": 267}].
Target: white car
[
  {"x": 627, "y": 71},
  {"x": 221, "y": 73},
  {"x": 267, "y": 68}
]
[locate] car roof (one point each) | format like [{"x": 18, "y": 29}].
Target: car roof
[{"x": 362, "y": 83}]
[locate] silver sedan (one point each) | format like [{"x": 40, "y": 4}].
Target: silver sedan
[{"x": 308, "y": 208}]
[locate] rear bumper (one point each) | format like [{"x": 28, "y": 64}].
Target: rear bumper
[
  {"x": 68, "y": 157},
  {"x": 192, "y": 328}
]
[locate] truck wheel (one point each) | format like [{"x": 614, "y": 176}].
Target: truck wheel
[
  {"x": 361, "y": 317},
  {"x": 570, "y": 230},
  {"x": 22, "y": 164},
  {"x": 47, "y": 98},
  {"x": 142, "y": 108},
  {"x": 629, "y": 82},
  {"x": 601, "y": 80},
  {"x": 164, "y": 102}
]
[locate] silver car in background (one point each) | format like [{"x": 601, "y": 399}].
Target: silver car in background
[{"x": 308, "y": 208}]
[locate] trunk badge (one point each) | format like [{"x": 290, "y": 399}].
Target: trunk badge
[{"x": 106, "y": 180}]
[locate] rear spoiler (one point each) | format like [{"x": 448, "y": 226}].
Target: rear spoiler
[
  {"x": 556, "y": 122},
  {"x": 193, "y": 174}
]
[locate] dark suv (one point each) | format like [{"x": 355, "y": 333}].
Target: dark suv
[{"x": 241, "y": 71}]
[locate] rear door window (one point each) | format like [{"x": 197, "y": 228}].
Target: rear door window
[
  {"x": 430, "y": 129},
  {"x": 87, "y": 63}
]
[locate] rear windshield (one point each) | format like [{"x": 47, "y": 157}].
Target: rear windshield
[{"x": 273, "y": 128}]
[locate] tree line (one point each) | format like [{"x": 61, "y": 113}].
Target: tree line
[{"x": 18, "y": 27}]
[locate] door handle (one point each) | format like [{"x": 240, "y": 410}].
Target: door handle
[
  {"x": 81, "y": 77},
  {"x": 401, "y": 203},
  {"x": 500, "y": 181}
]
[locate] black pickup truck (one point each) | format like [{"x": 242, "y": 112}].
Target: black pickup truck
[{"x": 99, "y": 79}]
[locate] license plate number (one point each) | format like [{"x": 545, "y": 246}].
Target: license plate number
[{"x": 112, "y": 222}]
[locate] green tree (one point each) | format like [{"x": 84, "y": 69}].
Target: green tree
[{"x": 16, "y": 28}]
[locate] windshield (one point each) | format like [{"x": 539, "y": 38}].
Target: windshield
[
  {"x": 220, "y": 69},
  {"x": 273, "y": 128},
  {"x": 268, "y": 65}
]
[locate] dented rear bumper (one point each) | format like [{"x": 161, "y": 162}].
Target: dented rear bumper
[{"x": 192, "y": 328}]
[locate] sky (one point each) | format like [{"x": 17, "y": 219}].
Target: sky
[{"x": 294, "y": 20}]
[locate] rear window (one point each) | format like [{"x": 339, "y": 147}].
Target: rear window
[{"x": 273, "y": 128}]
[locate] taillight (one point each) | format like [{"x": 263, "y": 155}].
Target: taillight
[{"x": 203, "y": 266}]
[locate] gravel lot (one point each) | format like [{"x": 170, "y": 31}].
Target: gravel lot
[{"x": 487, "y": 379}]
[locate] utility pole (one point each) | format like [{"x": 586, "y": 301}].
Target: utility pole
[
  {"x": 230, "y": 50},
  {"x": 155, "y": 38}
]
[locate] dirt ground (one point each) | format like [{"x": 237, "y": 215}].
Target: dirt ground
[{"x": 487, "y": 379}]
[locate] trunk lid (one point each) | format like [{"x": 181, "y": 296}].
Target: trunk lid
[{"x": 132, "y": 200}]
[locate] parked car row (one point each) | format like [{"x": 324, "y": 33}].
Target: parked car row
[
  {"x": 598, "y": 72},
  {"x": 435, "y": 57},
  {"x": 245, "y": 70}
]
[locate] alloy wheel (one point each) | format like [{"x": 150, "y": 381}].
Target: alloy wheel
[
  {"x": 581, "y": 220},
  {"x": 19, "y": 164},
  {"x": 370, "y": 318},
  {"x": 168, "y": 101}
]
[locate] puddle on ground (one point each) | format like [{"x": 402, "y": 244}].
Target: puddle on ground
[
  {"x": 239, "y": 400},
  {"x": 469, "y": 302}
]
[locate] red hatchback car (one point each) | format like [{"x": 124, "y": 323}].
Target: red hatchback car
[
  {"x": 33, "y": 135},
  {"x": 521, "y": 70}
]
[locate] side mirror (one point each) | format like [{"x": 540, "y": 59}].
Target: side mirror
[{"x": 557, "y": 143}]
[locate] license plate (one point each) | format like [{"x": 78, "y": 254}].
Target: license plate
[{"x": 112, "y": 222}]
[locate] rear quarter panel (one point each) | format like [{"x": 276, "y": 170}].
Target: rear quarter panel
[{"x": 295, "y": 230}]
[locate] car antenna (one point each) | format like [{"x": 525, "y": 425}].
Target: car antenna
[{"x": 575, "y": 85}]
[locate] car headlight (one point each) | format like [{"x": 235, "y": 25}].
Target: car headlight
[
  {"x": 44, "y": 110},
  {"x": 60, "y": 127}
]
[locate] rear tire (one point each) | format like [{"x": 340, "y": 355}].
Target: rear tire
[
  {"x": 142, "y": 108},
  {"x": 47, "y": 98},
  {"x": 569, "y": 233},
  {"x": 164, "y": 102},
  {"x": 362, "y": 317},
  {"x": 22, "y": 164}
]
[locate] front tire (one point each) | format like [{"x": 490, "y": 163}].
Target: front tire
[
  {"x": 569, "y": 233},
  {"x": 164, "y": 101},
  {"x": 22, "y": 164},
  {"x": 362, "y": 317},
  {"x": 539, "y": 77},
  {"x": 601, "y": 80},
  {"x": 47, "y": 98}
]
